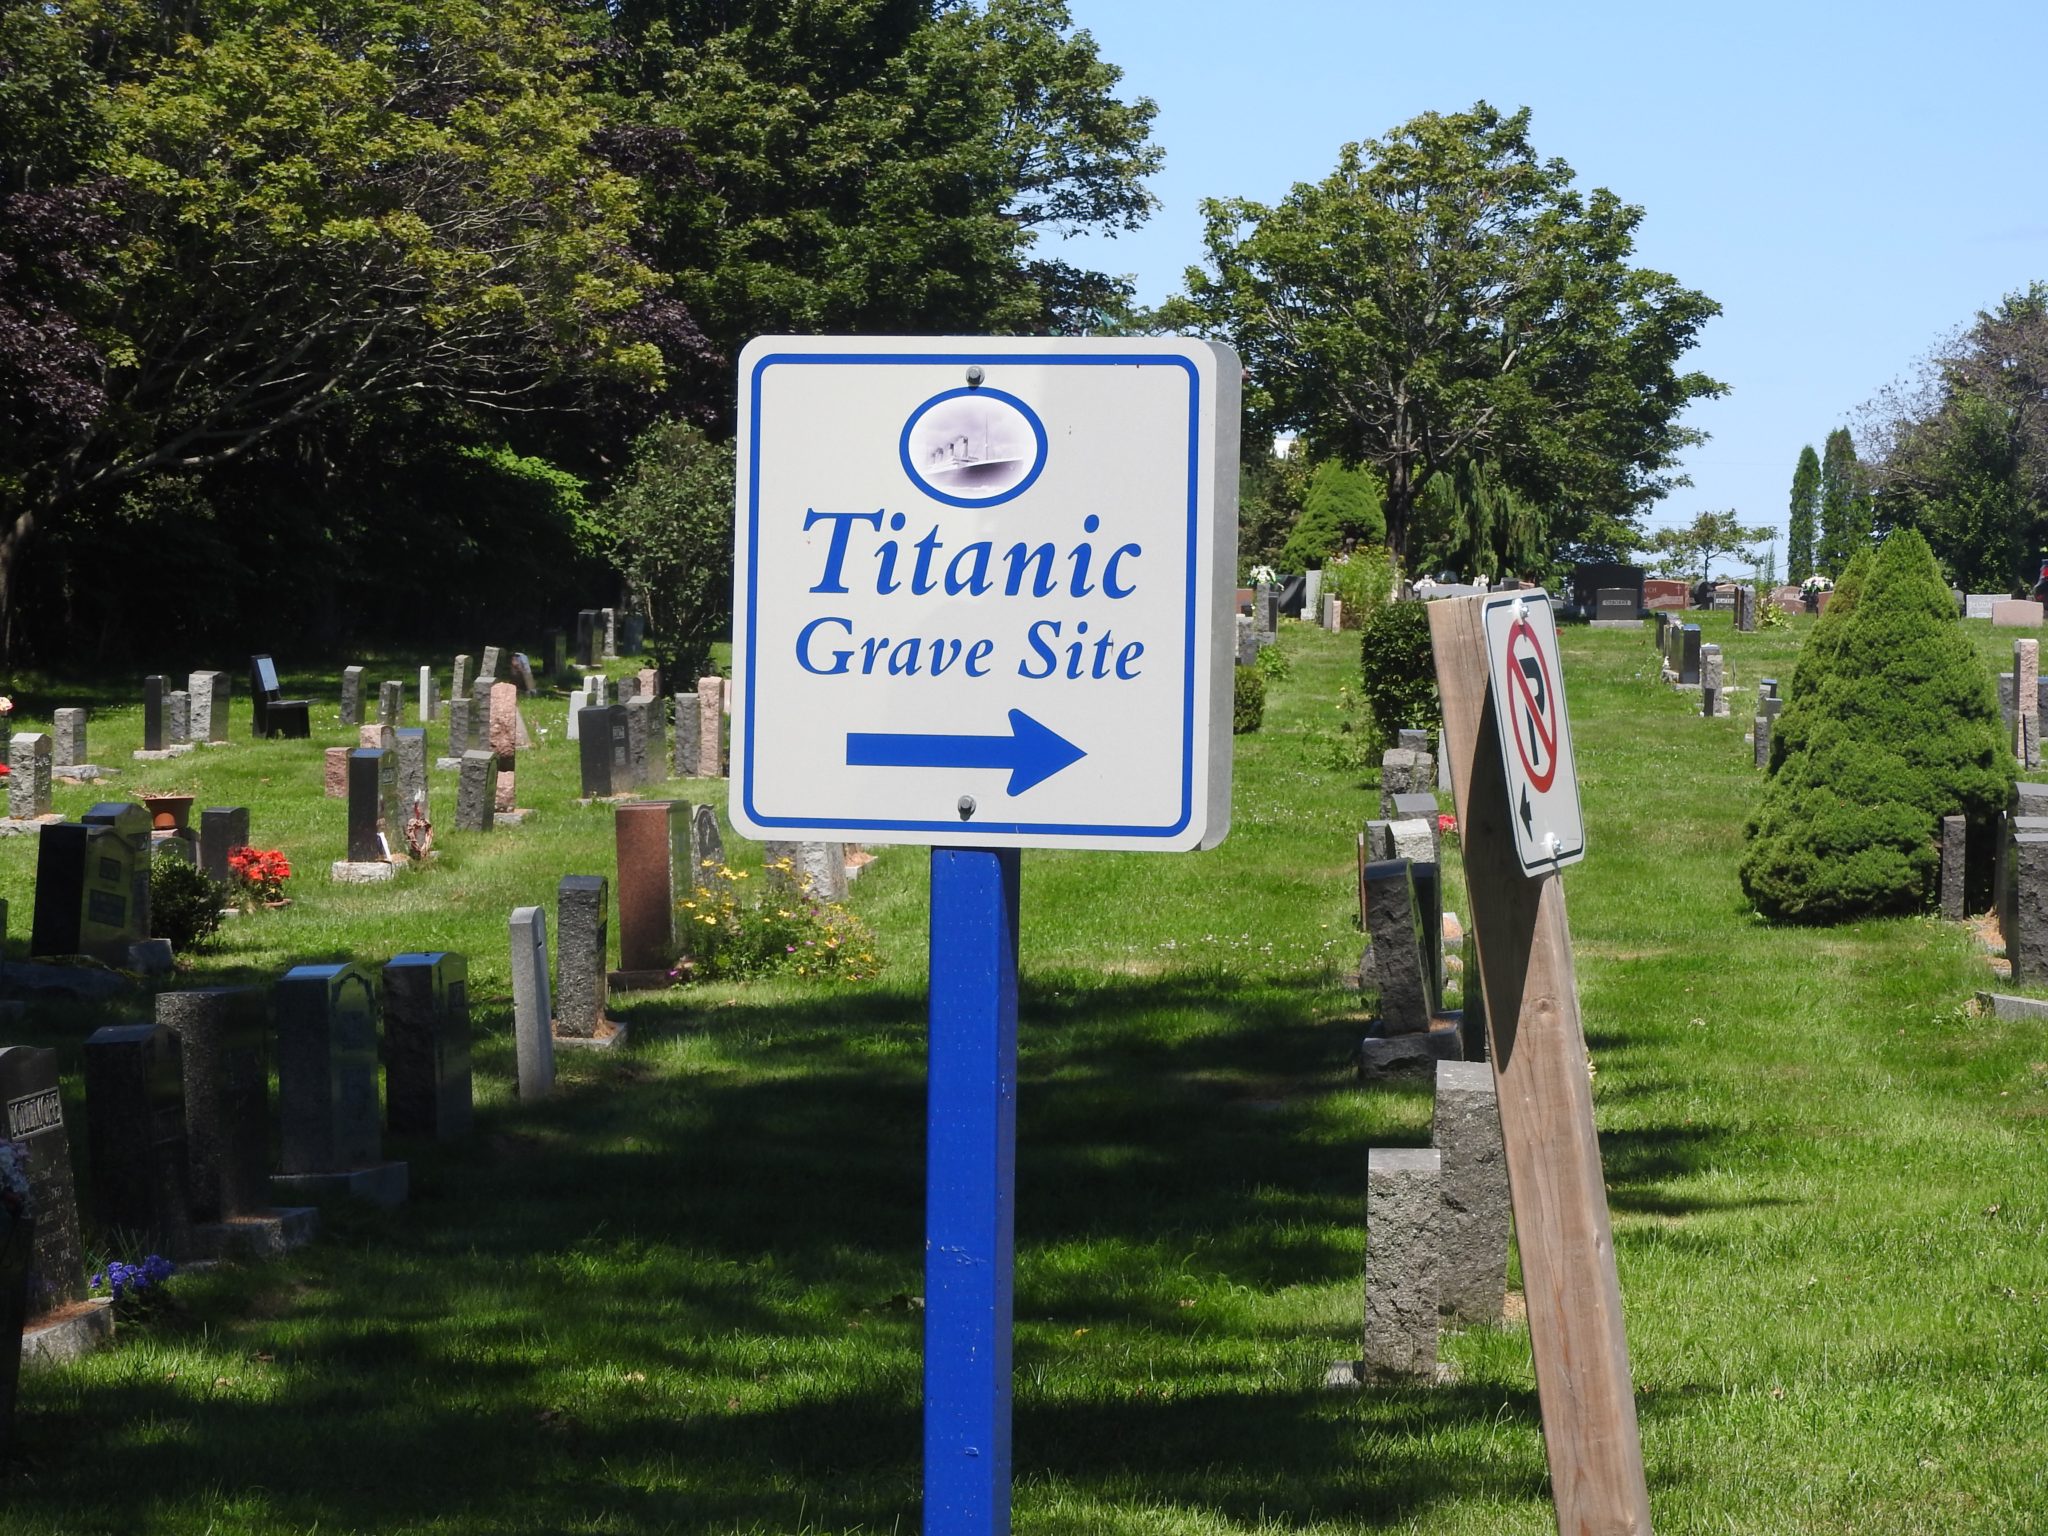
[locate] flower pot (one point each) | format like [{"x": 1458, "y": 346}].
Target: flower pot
[
  {"x": 168, "y": 812},
  {"x": 17, "y": 1253}
]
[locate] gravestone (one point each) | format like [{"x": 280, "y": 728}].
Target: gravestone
[
  {"x": 1745, "y": 610},
  {"x": 2026, "y": 936},
  {"x": 1247, "y": 641},
  {"x": 371, "y": 788},
  {"x": 632, "y": 634},
  {"x": 1473, "y": 1240},
  {"x": 532, "y": 1012},
  {"x": 587, "y": 647},
  {"x": 153, "y": 713},
  {"x": 608, "y": 632},
  {"x": 222, "y": 829},
  {"x": 637, "y": 709},
  {"x": 604, "y": 751},
  {"x": 1266, "y": 609},
  {"x": 506, "y": 742},
  {"x": 458, "y": 725},
  {"x": 1427, "y": 880},
  {"x": 581, "y": 930},
  {"x": 28, "y": 781},
  {"x": 1760, "y": 737},
  {"x": 1688, "y": 655},
  {"x": 1392, "y": 922},
  {"x": 558, "y": 653},
  {"x": 815, "y": 870},
  {"x": 706, "y": 845},
  {"x": 351, "y": 695},
  {"x": 685, "y": 760},
  {"x": 426, "y": 1045},
  {"x": 114, "y": 912},
  {"x": 391, "y": 703},
  {"x": 430, "y": 696},
  {"x": 493, "y": 655},
  {"x": 178, "y": 708},
  {"x": 2026, "y": 673},
  {"x": 710, "y": 727},
  {"x": 35, "y": 1117},
  {"x": 480, "y": 712},
  {"x": 1954, "y": 846},
  {"x": 1712, "y": 685},
  {"x": 334, "y": 772},
  {"x": 579, "y": 700},
  {"x": 458, "y": 682},
  {"x": 476, "y": 791},
  {"x": 597, "y": 686},
  {"x": 1311, "y": 594},
  {"x": 410, "y": 752},
  {"x": 1617, "y": 605},
  {"x": 135, "y": 1124},
  {"x": 69, "y": 746},
  {"x": 327, "y": 1085},
  {"x": 522, "y": 673},
  {"x": 653, "y": 842},
  {"x": 1403, "y": 1200},
  {"x": 223, "y": 1036}
]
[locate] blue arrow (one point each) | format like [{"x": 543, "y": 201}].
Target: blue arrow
[{"x": 1031, "y": 752}]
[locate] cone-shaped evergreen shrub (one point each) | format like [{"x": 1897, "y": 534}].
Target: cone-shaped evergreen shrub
[
  {"x": 1901, "y": 731},
  {"x": 1817, "y": 659}
]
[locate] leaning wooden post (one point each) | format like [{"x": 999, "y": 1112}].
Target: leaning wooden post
[{"x": 1546, "y": 1112}]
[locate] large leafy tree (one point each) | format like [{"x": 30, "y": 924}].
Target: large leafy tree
[
  {"x": 1445, "y": 295},
  {"x": 1805, "y": 514},
  {"x": 1690, "y": 550}
]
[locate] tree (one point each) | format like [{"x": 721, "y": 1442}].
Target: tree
[
  {"x": 1845, "y": 511},
  {"x": 1693, "y": 547},
  {"x": 1342, "y": 508},
  {"x": 1904, "y": 731},
  {"x": 1472, "y": 521},
  {"x": 1445, "y": 296},
  {"x": 671, "y": 517},
  {"x": 1805, "y": 514},
  {"x": 1818, "y": 659}
]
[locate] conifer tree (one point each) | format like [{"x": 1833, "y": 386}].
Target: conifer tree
[
  {"x": 1805, "y": 512},
  {"x": 1845, "y": 511},
  {"x": 1904, "y": 730},
  {"x": 1817, "y": 659}
]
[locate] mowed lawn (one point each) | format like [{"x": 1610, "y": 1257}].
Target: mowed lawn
[{"x": 684, "y": 1296}]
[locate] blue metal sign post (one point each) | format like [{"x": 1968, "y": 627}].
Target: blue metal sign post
[{"x": 970, "y": 1191}]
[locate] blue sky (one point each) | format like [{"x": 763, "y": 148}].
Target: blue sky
[{"x": 1851, "y": 184}]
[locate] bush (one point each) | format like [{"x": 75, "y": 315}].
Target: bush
[
  {"x": 1818, "y": 659},
  {"x": 1248, "y": 704},
  {"x": 1901, "y": 729},
  {"x": 1273, "y": 663},
  {"x": 1343, "y": 506},
  {"x": 671, "y": 515},
  {"x": 184, "y": 901},
  {"x": 1399, "y": 670},
  {"x": 784, "y": 928},
  {"x": 1360, "y": 581}
]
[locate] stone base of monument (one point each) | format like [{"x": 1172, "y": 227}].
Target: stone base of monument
[
  {"x": 384, "y": 1184},
  {"x": 509, "y": 818},
  {"x": 362, "y": 872},
  {"x": 447, "y": 764},
  {"x": 620, "y": 797},
  {"x": 213, "y": 743},
  {"x": 1390, "y": 1055},
  {"x": 182, "y": 749},
  {"x": 152, "y": 957},
  {"x": 68, "y": 1333},
  {"x": 610, "y": 1035},
  {"x": 2012, "y": 1010},
  {"x": 84, "y": 978},
  {"x": 639, "y": 981},
  {"x": 1614, "y": 624},
  {"x": 25, "y": 826},
  {"x": 80, "y": 773},
  {"x": 262, "y": 1234},
  {"x": 1349, "y": 1375}
]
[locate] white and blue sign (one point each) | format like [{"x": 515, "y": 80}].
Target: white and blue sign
[{"x": 983, "y": 591}]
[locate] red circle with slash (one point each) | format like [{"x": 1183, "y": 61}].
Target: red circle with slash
[{"x": 1527, "y": 705}]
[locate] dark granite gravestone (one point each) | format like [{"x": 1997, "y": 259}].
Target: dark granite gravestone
[
  {"x": 1689, "y": 654},
  {"x": 586, "y": 638},
  {"x": 1617, "y": 604},
  {"x": 632, "y": 633},
  {"x": 351, "y": 695},
  {"x": 135, "y": 1124},
  {"x": 224, "y": 1039},
  {"x": 426, "y": 1046},
  {"x": 270, "y": 713},
  {"x": 35, "y": 1118},
  {"x": 1429, "y": 919},
  {"x": 60, "y": 889},
  {"x": 709, "y": 846},
  {"x": 522, "y": 673},
  {"x": 480, "y": 710},
  {"x": 367, "y": 828},
  {"x": 582, "y": 927},
  {"x": 222, "y": 829},
  {"x": 327, "y": 1069},
  {"x": 1293, "y": 595},
  {"x": 1589, "y": 578},
  {"x": 391, "y": 703},
  {"x": 1393, "y": 920},
  {"x": 153, "y": 713},
  {"x": 558, "y": 653},
  {"x": 604, "y": 749}
]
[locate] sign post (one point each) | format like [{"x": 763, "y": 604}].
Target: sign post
[
  {"x": 982, "y": 601},
  {"x": 1509, "y": 746}
]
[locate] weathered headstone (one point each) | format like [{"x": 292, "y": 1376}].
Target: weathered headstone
[
  {"x": 334, "y": 772},
  {"x": 458, "y": 680},
  {"x": 351, "y": 695},
  {"x": 581, "y": 930},
  {"x": 608, "y": 631},
  {"x": 505, "y": 742},
  {"x": 707, "y": 846},
  {"x": 493, "y": 656},
  {"x": 480, "y": 712},
  {"x": 637, "y": 709},
  {"x": 817, "y": 870},
  {"x": 459, "y": 707},
  {"x": 1745, "y": 610},
  {"x": 1760, "y": 738},
  {"x": 327, "y": 1084},
  {"x": 476, "y": 792},
  {"x": 686, "y": 759},
  {"x": 222, "y": 829},
  {"x": 28, "y": 769},
  {"x": 34, "y": 1104},
  {"x": 135, "y": 1124},
  {"x": 1712, "y": 685},
  {"x": 532, "y": 1011},
  {"x": 710, "y": 727},
  {"x": 1403, "y": 1200},
  {"x": 178, "y": 712},
  {"x": 2026, "y": 674},
  {"x": 558, "y": 653},
  {"x": 1476, "y": 1213},
  {"x": 391, "y": 703},
  {"x": 2026, "y": 935},
  {"x": 1954, "y": 846},
  {"x": 597, "y": 685},
  {"x": 653, "y": 841},
  {"x": 430, "y": 696},
  {"x": 426, "y": 1045},
  {"x": 1397, "y": 960},
  {"x": 69, "y": 746},
  {"x": 409, "y": 753},
  {"x": 223, "y": 1035}
]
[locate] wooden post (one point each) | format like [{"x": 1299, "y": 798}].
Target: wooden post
[{"x": 1546, "y": 1115}]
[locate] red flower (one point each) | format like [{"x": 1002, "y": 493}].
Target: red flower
[{"x": 1446, "y": 823}]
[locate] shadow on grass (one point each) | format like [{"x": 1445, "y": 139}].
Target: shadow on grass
[{"x": 682, "y": 1293}]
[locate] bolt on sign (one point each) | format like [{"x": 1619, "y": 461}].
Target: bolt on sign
[{"x": 983, "y": 590}]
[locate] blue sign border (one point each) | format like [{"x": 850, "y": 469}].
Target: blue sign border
[
  {"x": 971, "y": 502},
  {"x": 960, "y": 831}
]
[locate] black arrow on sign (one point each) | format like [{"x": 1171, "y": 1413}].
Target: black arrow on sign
[{"x": 1528, "y": 816}]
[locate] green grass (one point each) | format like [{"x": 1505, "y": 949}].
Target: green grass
[{"x": 682, "y": 1296}]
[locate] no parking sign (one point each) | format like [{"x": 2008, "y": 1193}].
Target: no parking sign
[{"x": 1535, "y": 733}]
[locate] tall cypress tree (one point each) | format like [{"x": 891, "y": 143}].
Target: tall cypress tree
[
  {"x": 1845, "y": 512},
  {"x": 1805, "y": 512}
]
